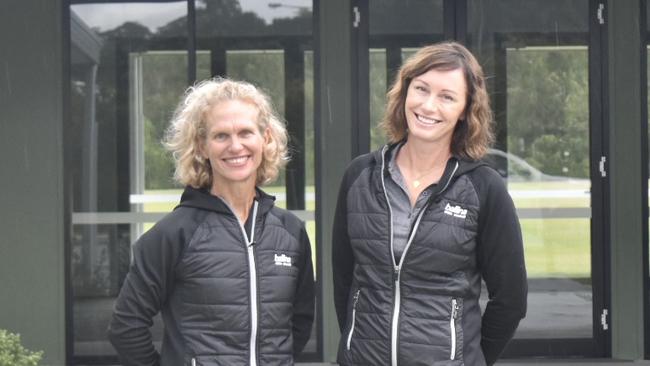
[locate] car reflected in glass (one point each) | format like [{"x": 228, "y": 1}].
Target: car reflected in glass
[{"x": 515, "y": 169}]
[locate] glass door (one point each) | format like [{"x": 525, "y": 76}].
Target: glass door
[
  {"x": 396, "y": 29},
  {"x": 537, "y": 59},
  {"x": 543, "y": 69},
  {"x": 130, "y": 64}
]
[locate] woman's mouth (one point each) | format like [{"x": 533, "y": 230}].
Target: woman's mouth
[
  {"x": 427, "y": 121},
  {"x": 236, "y": 161}
]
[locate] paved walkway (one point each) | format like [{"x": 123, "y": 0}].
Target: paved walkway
[{"x": 598, "y": 362}]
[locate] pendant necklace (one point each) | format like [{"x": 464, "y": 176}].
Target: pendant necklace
[{"x": 416, "y": 181}]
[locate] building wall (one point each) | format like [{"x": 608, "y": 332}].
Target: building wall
[
  {"x": 626, "y": 136},
  {"x": 32, "y": 224},
  {"x": 31, "y": 220}
]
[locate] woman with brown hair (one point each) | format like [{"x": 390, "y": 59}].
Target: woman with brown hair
[{"x": 422, "y": 221}]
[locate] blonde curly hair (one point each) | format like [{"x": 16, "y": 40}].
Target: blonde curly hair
[
  {"x": 187, "y": 131},
  {"x": 473, "y": 134}
]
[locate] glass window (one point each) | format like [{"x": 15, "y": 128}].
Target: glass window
[
  {"x": 128, "y": 68},
  {"x": 535, "y": 57},
  {"x": 396, "y": 28},
  {"x": 647, "y": 40},
  {"x": 270, "y": 45}
]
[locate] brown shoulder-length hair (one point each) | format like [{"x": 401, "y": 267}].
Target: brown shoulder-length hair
[
  {"x": 187, "y": 130},
  {"x": 473, "y": 134}
]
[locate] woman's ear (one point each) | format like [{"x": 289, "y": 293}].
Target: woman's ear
[
  {"x": 267, "y": 136},
  {"x": 200, "y": 149}
]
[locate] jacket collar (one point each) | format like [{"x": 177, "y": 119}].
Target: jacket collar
[
  {"x": 456, "y": 166},
  {"x": 202, "y": 199}
]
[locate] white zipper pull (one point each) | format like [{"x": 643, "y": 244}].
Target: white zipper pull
[
  {"x": 452, "y": 328},
  {"x": 454, "y": 309},
  {"x": 193, "y": 361},
  {"x": 356, "y": 299},
  {"x": 354, "y": 317}
]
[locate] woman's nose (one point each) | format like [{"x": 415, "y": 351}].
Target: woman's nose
[
  {"x": 236, "y": 144},
  {"x": 431, "y": 104}
]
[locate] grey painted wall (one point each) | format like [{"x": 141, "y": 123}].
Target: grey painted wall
[
  {"x": 31, "y": 219},
  {"x": 334, "y": 143},
  {"x": 625, "y": 122},
  {"x": 31, "y": 145}
]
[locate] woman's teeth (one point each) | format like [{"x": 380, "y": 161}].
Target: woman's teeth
[
  {"x": 429, "y": 121},
  {"x": 238, "y": 160}
]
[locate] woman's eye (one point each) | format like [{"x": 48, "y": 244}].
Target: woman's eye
[
  {"x": 448, "y": 98},
  {"x": 220, "y": 136}
]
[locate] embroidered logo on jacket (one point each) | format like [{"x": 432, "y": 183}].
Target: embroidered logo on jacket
[
  {"x": 282, "y": 260},
  {"x": 455, "y": 211}
]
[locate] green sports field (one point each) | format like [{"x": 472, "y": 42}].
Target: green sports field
[{"x": 554, "y": 247}]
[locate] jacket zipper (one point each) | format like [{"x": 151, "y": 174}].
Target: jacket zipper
[
  {"x": 354, "y": 316},
  {"x": 253, "y": 279},
  {"x": 193, "y": 361},
  {"x": 397, "y": 268},
  {"x": 398, "y": 295},
  {"x": 452, "y": 327},
  {"x": 396, "y": 273},
  {"x": 253, "y": 286}
]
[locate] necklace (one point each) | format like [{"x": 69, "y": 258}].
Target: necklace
[{"x": 416, "y": 181}]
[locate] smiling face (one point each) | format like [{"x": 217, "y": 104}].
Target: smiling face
[
  {"x": 233, "y": 144},
  {"x": 435, "y": 101}
]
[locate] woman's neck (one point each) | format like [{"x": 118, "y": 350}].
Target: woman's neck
[
  {"x": 420, "y": 157},
  {"x": 421, "y": 165},
  {"x": 239, "y": 196}
]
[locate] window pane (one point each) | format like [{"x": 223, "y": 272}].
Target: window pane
[
  {"x": 128, "y": 68},
  {"x": 536, "y": 59},
  {"x": 396, "y": 28},
  {"x": 270, "y": 45}
]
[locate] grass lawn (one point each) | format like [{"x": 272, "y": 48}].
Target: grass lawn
[{"x": 553, "y": 247}]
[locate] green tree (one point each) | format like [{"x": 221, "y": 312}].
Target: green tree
[
  {"x": 548, "y": 114},
  {"x": 161, "y": 94},
  {"x": 12, "y": 353}
]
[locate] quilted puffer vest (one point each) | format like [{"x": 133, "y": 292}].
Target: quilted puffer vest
[{"x": 424, "y": 310}]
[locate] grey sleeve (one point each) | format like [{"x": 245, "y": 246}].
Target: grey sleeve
[
  {"x": 304, "y": 303},
  {"x": 144, "y": 291}
]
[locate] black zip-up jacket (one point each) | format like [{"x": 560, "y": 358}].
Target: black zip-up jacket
[
  {"x": 425, "y": 310},
  {"x": 223, "y": 301}
]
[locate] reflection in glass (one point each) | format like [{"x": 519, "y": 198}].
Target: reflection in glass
[
  {"x": 536, "y": 60},
  {"x": 128, "y": 68},
  {"x": 397, "y": 28},
  {"x": 269, "y": 43},
  {"x": 647, "y": 41},
  {"x": 391, "y": 18},
  {"x": 378, "y": 89}
]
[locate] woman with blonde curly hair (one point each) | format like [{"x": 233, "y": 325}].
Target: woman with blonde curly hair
[
  {"x": 421, "y": 222},
  {"x": 230, "y": 272}
]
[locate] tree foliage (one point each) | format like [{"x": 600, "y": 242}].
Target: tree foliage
[
  {"x": 164, "y": 74},
  {"x": 548, "y": 112},
  {"x": 12, "y": 353}
]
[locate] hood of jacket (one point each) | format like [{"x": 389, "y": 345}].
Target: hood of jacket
[
  {"x": 451, "y": 173},
  {"x": 202, "y": 199}
]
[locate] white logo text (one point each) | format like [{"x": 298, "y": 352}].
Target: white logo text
[
  {"x": 455, "y": 211},
  {"x": 282, "y": 260}
]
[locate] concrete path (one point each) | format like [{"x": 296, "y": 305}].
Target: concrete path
[{"x": 597, "y": 362}]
